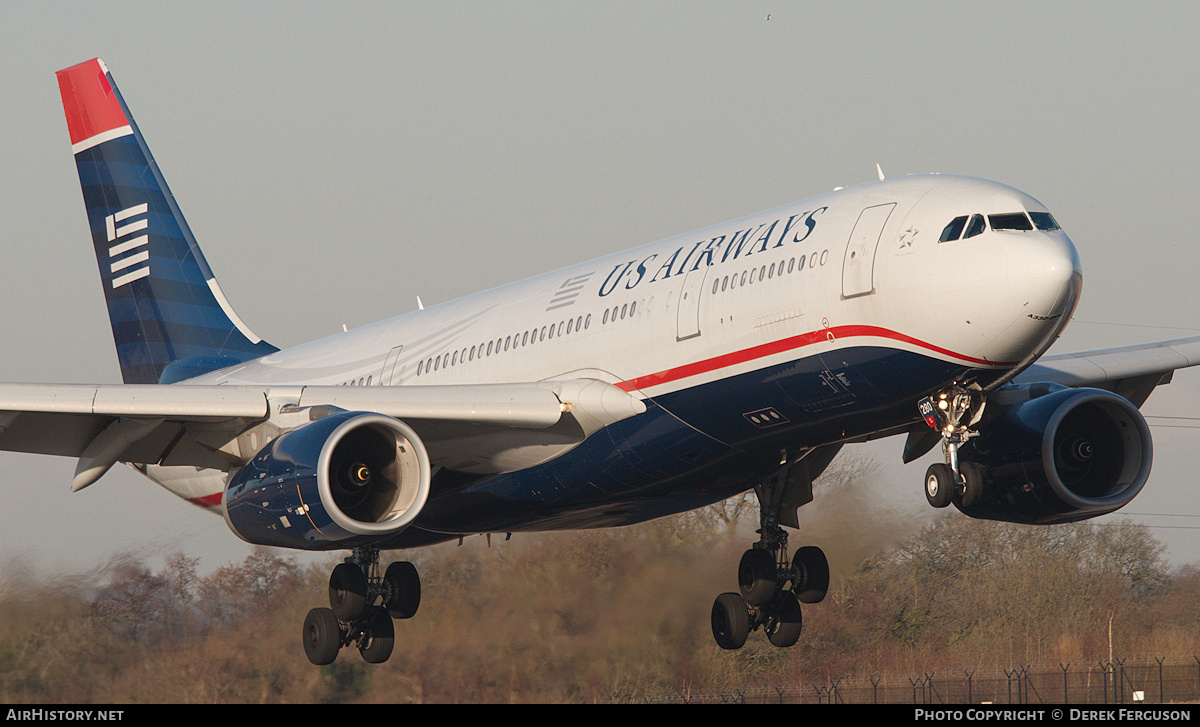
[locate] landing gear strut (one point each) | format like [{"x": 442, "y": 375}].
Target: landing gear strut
[
  {"x": 361, "y": 608},
  {"x": 953, "y": 481},
  {"x": 770, "y": 586}
]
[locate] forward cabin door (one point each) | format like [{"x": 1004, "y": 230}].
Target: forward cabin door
[{"x": 858, "y": 265}]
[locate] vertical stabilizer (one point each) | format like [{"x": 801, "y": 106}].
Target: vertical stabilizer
[{"x": 170, "y": 320}]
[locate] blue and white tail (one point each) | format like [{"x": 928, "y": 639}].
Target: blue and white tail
[{"x": 170, "y": 320}]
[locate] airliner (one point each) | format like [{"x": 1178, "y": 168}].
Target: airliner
[{"x": 738, "y": 357}]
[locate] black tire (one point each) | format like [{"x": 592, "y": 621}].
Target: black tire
[
  {"x": 348, "y": 592},
  {"x": 939, "y": 484},
  {"x": 757, "y": 576},
  {"x": 783, "y": 627},
  {"x": 322, "y": 636},
  {"x": 730, "y": 621},
  {"x": 379, "y": 639},
  {"x": 970, "y": 491},
  {"x": 812, "y": 574},
  {"x": 402, "y": 589}
]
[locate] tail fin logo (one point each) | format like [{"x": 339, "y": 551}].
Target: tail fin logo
[{"x": 121, "y": 228}]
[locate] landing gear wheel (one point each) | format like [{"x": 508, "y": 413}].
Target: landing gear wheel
[
  {"x": 939, "y": 484},
  {"x": 322, "y": 636},
  {"x": 402, "y": 589},
  {"x": 783, "y": 628},
  {"x": 811, "y": 574},
  {"x": 348, "y": 592},
  {"x": 379, "y": 636},
  {"x": 756, "y": 576},
  {"x": 969, "y": 491},
  {"x": 771, "y": 584},
  {"x": 730, "y": 621}
]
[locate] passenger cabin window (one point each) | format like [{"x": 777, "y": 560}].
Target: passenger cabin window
[{"x": 1010, "y": 221}]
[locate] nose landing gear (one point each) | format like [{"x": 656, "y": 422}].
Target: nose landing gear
[
  {"x": 953, "y": 481},
  {"x": 361, "y": 608}
]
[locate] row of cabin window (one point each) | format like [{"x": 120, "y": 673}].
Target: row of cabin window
[
  {"x": 621, "y": 310},
  {"x": 514, "y": 342},
  {"x": 729, "y": 282}
]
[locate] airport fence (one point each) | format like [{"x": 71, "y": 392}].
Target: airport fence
[{"x": 1129, "y": 681}]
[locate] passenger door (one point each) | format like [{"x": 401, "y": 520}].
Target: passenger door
[
  {"x": 390, "y": 374},
  {"x": 858, "y": 265}
]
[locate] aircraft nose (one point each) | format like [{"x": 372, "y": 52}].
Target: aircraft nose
[
  {"x": 1044, "y": 275},
  {"x": 1044, "y": 280}
]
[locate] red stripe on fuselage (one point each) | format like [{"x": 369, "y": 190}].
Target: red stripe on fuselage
[
  {"x": 208, "y": 501},
  {"x": 787, "y": 344}
]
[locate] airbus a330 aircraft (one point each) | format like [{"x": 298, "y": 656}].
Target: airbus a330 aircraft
[{"x": 649, "y": 382}]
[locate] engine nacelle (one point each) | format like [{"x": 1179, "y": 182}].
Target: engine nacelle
[
  {"x": 1068, "y": 455},
  {"x": 347, "y": 478}
]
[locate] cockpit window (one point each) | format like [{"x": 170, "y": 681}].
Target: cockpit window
[
  {"x": 1010, "y": 221},
  {"x": 976, "y": 227},
  {"x": 965, "y": 227},
  {"x": 954, "y": 229},
  {"x": 1044, "y": 221}
]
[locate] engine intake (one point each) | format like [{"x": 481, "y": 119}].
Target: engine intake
[
  {"x": 346, "y": 478},
  {"x": 1069, "y": 455}
]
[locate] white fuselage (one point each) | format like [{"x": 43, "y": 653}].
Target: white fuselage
[
  {"x": 857, "y": 267},
  {"x": 665, "y": 306}
]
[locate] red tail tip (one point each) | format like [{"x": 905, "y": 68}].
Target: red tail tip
[{"x": 89, "y": 101}]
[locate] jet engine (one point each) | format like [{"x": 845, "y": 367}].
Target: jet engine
[
  {"x": 1067, "y": 455},
  {"x": 345, "y": 479}
]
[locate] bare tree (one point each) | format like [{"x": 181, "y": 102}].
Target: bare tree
[{"x": 132, "y": 603}]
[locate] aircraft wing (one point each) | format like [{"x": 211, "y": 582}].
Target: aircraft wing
[
  {"x": 1130, "y": 371},
  {"x": 476, "y": 428}
]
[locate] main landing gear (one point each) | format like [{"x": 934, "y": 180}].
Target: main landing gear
[
  {"x": 953, "y": 481},
  {"x": 362, "y": 606},
  {"x": 770, "y": 586},
  {"x": 770, "y": 593}
]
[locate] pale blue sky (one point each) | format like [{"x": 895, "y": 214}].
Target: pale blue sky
[{"x": 336, "y": 161}]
